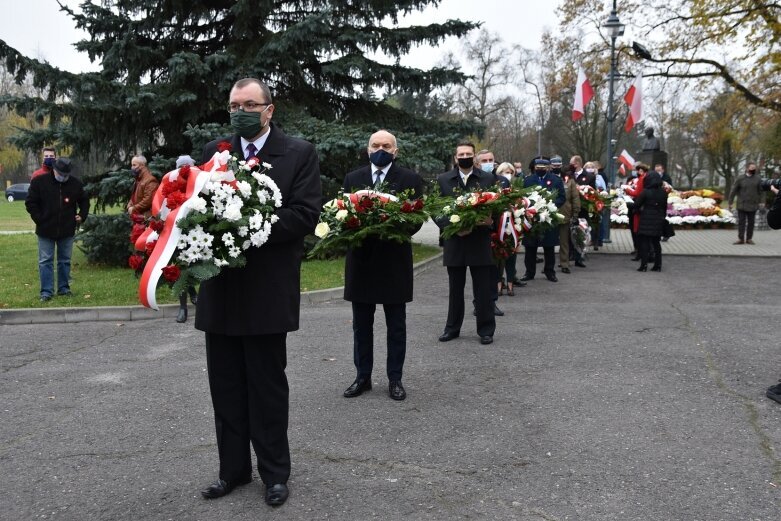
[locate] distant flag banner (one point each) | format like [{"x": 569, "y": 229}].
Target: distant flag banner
[
  {"x": 583, "y": 94},
  {"x": 621, "y": 170},
  {"x": 634, "y": 98},
  {"x": 627, "y": 161}
]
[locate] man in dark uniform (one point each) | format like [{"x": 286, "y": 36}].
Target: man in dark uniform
[
  {"x": 363, "y": 285},
  {"x": 469, "y": 248},
  {"x": 247, "y": 312},
  {"x": 550, "y": 239}
]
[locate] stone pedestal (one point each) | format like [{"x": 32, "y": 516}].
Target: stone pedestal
[{"x": 653, "y": 157}]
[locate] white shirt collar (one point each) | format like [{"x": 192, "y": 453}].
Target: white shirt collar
[
  {"x": 384, "y": 168},
  {"x": 258, "y": 143}
]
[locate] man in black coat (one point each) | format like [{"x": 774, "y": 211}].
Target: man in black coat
[
  {"x": 469, "y": 248},
  {"x": 380, "y": 271},
  {"x": 58, "y": 205},
  {"x": 247, "y": 312},
  {"x": 550, "y": 239}
]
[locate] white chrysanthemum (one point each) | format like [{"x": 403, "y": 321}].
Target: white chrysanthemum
[
  {"x": 675, "y": 220},
  {"x": 227, "y": 239},
  {"x": 220, "y": 263},
  {"x": 245, "y": 189},
  {"x": 245, "y": 245},
  {"x": 234, "y": 251},
  {"x": 274, "y": 218},
  {"x": 267, "y": 166},
  {"x": 256, "y": 221},
  {"x": 242, "y": 231},
  {"x": 262, "y": 197},
  {"x": 232, "y": 212}
]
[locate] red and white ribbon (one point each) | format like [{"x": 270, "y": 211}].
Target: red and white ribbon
[{"x": 507, "y": 227}]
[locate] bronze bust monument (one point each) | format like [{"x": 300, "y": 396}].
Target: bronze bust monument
[{"x": 651, "y": 142}]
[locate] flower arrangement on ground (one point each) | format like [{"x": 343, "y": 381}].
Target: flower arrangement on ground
[
  {"x": 346, "y": 221},
  {"x": 683, "y": 208},
  {"x": 203, "y": 221}
]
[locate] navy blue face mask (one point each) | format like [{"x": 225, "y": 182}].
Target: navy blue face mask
[
  {"x": 49, "y": 161},
  {"x": 381, "y": 158}
]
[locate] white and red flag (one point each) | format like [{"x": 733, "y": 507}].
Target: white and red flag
[
  {"x": 583, "y": 94},
  {"x": 634, "y": 98},
  {"x": 626, "y": 160}
]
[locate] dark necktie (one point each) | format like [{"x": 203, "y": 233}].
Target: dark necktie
[
  {"x": 377, "y": 178},
  {"x": 251, "y": 149}
]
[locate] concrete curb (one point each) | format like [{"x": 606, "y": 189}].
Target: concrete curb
[{"x": 131, "y": 313}]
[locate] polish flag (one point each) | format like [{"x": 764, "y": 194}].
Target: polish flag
[
  {"x": 621, "y": 170},
  {"x": 626, "y": 160},
  {"x": 583, "y": 94},
  {"x": 634, "y": 98}
]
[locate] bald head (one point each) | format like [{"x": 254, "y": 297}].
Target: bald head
[{"x": 384, "y": 141}]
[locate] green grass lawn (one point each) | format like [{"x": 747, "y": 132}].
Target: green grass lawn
[{"x": 105, "y": 286}]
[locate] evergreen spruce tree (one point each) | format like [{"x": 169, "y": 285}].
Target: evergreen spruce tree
[{"x": 167, "y": 67}]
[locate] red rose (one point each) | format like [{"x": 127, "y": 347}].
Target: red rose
[
  {"x": 222, "y": 146},
  {"x": 136, "y": 262},
  {"x": 150, "y": 246},
  {"x": 418, "y": 204},
  {"x": 171, "y": 273},
  {"x": 157, "y": 225},
  {"x": 352, "y": 222},
  {"x": 168, "y": 188},
  {"x": 184, "y": 172},
  {"x": 175, "y": 200},
  {"x": 366, "y": 203}
]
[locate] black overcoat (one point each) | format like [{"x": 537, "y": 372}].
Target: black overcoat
[
  {"x": 473, "y": 249},
  {"x": 380, "y": 272},
  {"x": 652, "y": 206},
  {"x": 53, "y": 206},
  {"x": 264, "y": 296}
]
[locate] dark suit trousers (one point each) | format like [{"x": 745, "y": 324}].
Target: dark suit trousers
[
  {"x": 363, "y": 338},
  {"x": 482, "y": 280},
  {"x": 746, "y": 225},
  {"x": 530, "y": 260},
  {"x": 250, "y": 396}
]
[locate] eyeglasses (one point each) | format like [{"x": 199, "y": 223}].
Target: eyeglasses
[{"x": 249, "y": 106}]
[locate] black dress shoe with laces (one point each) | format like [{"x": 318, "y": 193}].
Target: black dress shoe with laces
[
  {"x": 565, "y": 270},
  {"x": 551, "y": 277},
  {"x": 358, "y": 387},
  {"x": 447, "y": 336},
  {"x": 527, "y": 277},
  {"x": 276, "y": 495},
  {"x": 486, "y": 339},
  {"x": 222, "y": 488},
  {"x": 580, "y": 264},
  {"x": 498, "y": 312},
  {"x": 396, "y": 390}
]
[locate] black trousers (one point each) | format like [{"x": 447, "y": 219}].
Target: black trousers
[
  {"x": 650, "y": 243},
  {"x": 482, "y": 280},
  {"x": 363, "y": 338},
  {"x": 530, "y": 260},
  {"x": 250, "y": 396},
  {"x": 746, "y": 225}
]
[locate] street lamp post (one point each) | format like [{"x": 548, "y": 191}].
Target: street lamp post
[{"x": 614, "y": 29}]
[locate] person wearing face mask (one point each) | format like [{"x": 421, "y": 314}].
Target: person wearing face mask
[
  {"x": 550, "y": 239},
  {"x": 748, "y": 190},
  {"x": 374, "y": 256},
  {"x": 144, "y": 188},
  {"x": 57, "y": 204},
  {"x": 469, "y": 248},
  {"x": 49, "y": 157},
  {"x": 247, "y": 312}
]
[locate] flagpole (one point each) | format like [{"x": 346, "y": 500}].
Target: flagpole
[{"x": 615, "y": 29}]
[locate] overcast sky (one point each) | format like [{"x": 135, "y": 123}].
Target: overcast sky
[{"x": 38, "y": 29}]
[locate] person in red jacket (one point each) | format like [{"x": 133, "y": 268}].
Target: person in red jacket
[
  {"x": 49, "y": 157},
  {"x": 634, "y": 191}
]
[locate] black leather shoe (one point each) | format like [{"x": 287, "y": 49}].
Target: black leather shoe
[
  {"x": 486, "y": 339},
  {"x": 182, "y": 316},
  {"x": 552, "y": 277},
  {"x": 358, "y": 387},
  {"x": 498, "y": 312},
  {"x": 527, "y": 277},
  {"x": 643, "y": 267},
  {"x": 396, "y": 390},
  {"x": 518, "y": 283},
  {"x": 636, "y": 258},
  {"x": 222, "y": 488},
  {"x": 447, "y": 336},
  {"x": 580, "y": 264},
  {"x": 276, "y": 495},
  {"x": 565, "y": 270},
  {"x": 656, "y": 268}
]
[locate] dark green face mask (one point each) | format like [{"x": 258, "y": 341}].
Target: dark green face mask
[{"x": 246, "y": 124}]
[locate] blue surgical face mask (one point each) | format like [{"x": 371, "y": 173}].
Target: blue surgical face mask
[
  {"x": 634, "y": 173},
  {"x": 487, "y": 167},
  {"x": 381, "y": 158}
]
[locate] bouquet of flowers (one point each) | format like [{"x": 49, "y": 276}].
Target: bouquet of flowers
[
  {"x": 348, "y": 220},
  {"x": 593, "y": 201},
  {"x": 466, "y": 211},
  {"x": 580, "y": 232},
  {"x": 537, "y": 213},
  {"x": 203, "y": 221}
]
